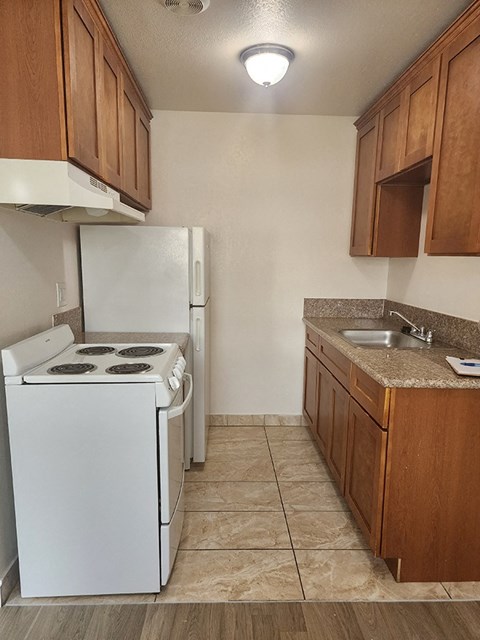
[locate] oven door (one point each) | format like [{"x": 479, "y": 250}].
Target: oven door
[
  {"x": 171, "y": 451},
  {"x": 171, "y": 471}
]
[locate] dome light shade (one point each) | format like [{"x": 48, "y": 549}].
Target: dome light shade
[{"x": 266, "y": 64}]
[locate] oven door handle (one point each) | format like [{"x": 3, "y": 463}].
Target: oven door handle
[{"x": 177, "y": 411}]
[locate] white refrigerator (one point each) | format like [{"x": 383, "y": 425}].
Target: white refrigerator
[{"x": 154, "y": 279}]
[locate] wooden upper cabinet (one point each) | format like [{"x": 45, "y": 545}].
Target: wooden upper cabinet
[
  {"x": 81, "y": 37},
  {"x": 63, "y": 99},
  {"x": 407, "y": 124},
  {"x": 453, "y": 225},
  {"x": 389, "y": 132},
  {"x": 32, "y": 101},
  {"x": 361, "y": 241},
  {"x": 110, "y": 99},
  {"x": 419, "y": 105},
  {"x": 143, "y": 160},
  {"x": 135, "y": 146}
]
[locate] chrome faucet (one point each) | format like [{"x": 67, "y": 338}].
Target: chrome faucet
[{"x": 416, "y": 332}]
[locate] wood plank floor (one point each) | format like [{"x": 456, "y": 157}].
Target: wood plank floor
[{"x": 245, "y": 621}]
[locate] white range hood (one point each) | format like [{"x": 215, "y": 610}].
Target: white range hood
[{"x": 59, "y": 190}]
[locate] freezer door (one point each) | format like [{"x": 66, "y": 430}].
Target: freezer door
[
  {"x": 201, "y": 377},
  {"x": 200, "y": 257},
  {"x": 135, "y": 278}
]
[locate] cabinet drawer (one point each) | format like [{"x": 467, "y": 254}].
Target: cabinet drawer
[
  {"x": 336, "y": 363},
  {"x": 312, "y": 340},
  {"x": 370, "y": 395}
]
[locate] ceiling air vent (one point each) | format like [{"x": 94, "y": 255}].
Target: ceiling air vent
[{"x": 186, "y": 7}]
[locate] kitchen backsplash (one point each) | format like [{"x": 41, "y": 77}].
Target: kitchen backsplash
[
  {"x": 343, "y": 308},
  {"x": 72, "y": 317},
  {"x": 461, "y": 333}
]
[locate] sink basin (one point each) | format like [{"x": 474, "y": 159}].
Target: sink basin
[{"x": 386, "y": 339}]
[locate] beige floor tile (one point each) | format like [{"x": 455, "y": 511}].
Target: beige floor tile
[
  {"x": 463, "y": 590},
  {"x": 232, "y": 496},
  {"x": 288, "y": 433},
  {"x": 242, "y": 420},
  {"x": 324, "y": 530},
  {"x": 247, "y": 530},
  {"x": 296, "y": 471},
  {"x": 219, "y": 576},
  {"x": 136, "y": 598},
  {"x": 249, "y": 469},
  {"x": 234, "y": 434},
  {"x": 272, "y": 419},
  {"x": 218, "y": 420},
  {"x": 223, "y": 450},
  {"x": 288, "y": 421},
  {"x": 357, "y": 575},
  {"x": 311, "y": 496},
  {"x": 294, "y": 451}
]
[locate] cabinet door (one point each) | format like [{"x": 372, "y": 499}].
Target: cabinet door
[
  {"x": 310, "y": 391},
  {"x": 365, "y": 477},
  {"x": 135, "y": 146},
  {"x": 109, "y": 109},
  {"x": 419, "y": 105},
  {"x": 453, "y": 225},
  {"x": 389, "y": 139},
  {"x": 129, "y": 124},
  {"x": 324, "y": 412},
  {"x": 337, "y": 443},
  {"x": 361, "y": 240},
  {"x": 81, "y": 90},
  {"x": 143, "y": 160}
]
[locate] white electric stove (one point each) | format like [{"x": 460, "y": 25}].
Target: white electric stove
[{"x": 97, "y": 440}]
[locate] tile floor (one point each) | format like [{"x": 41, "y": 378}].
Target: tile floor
[{"x": 264, "y": 521}]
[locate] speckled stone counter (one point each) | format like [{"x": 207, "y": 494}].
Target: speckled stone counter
[
  {"x": 422, "y": 368},
  {"x": 95, "y": 337}
]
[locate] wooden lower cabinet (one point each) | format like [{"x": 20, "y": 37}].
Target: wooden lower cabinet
[
  {"x": 310, "y": 390},
  {"x": 365, "y": 481},
  {"x": 337, "y": 444},
  {"x": 407, "y": 462}
]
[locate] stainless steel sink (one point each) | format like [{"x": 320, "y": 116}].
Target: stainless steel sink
[{"x": 382, "y": 339}]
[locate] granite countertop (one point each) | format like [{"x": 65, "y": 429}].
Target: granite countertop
[
  {"x": 422, "y": 368},
  {"x": 96, "y": 337}
]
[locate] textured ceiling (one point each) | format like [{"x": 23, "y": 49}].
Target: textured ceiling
[{"x": 347, "y": 51}]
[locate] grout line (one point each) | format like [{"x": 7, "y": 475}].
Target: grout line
[
  {"x": 286, "y": 523},
  {"x": 447, "y": 591}
]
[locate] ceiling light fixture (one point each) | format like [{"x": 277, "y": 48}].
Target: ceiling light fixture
[{"x": 266, "y": 64}]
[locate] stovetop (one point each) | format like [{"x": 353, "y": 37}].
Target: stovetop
[{"x": 110, "y": 363}]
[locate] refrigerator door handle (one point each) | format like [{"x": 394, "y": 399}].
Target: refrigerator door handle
[
  {"x": 197, "y": 334},
  {"x": 198, "y": 278}
]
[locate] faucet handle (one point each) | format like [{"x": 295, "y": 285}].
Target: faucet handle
[{"x": 429, "y": 336}]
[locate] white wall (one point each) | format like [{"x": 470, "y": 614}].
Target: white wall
[
  {"x": 275, "y": 192},
  {"x": 448, "y": 284},
  {"x": 34, "y": 254}
]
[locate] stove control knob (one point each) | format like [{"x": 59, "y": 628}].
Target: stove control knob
[
  {"x": 174, "y": 383},
  {"x": 180, "y": 365},
  {"x": 181, "y": 360},
  {"x": 177, "y": 372}
]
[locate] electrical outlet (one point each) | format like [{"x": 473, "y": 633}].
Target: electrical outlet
[{"x": 61, "y": 294}]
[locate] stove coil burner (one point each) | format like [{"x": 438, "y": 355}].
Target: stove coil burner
[
  {"x": 129, "y": 367},
  {"x": 71, "y": 368},
  {"x": 95, "y": 351},
  {"x": 140, "y": 352}
]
